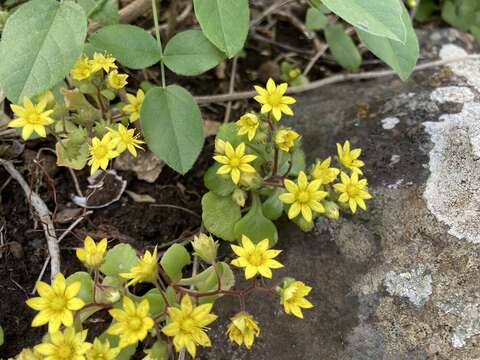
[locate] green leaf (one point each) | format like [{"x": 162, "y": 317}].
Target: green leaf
[
  {"x": 155, "y": 300},
  {"x": 86, "y": 282},
  {"x": 41, "y": 42},
  {"x": 190, "y": 53},
  {"x": 106, "y": 13},
  {"x": 402, "y": 58},
  {"x": 224, "y": 22},
  {"x": 219, "y": 215},
  {"x": 126, "y": 353},
  {"x": 229, "y": 132},
  {"x": 255, "y": 225},
  {"x": 342, "y": 47},
  {"x": 173, "y": 126},
  {"x": 121, "y": 258},
  {"x": 272, "y": 208},
  {"x": 159, "y": 351},
  {"x": 425, "y": 10},
  {"x": 77, "y": 160},
  {"x": 174, "y": 260},
  {"x": 210, "y": 283},
  {"x": 131, "y": 45},
  {"x": 216, "y": 183},
  {"x": 381, "y": 18},
  {"x": 315, "y": 19},
  {"x": 87, "y": 5},
  {"x": 2, "y": 336},
  {"x": 298, "y": 159}
]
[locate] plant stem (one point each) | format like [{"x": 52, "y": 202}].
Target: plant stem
[{"x": 159, "y": 40}]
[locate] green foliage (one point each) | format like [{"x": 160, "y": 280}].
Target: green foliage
[
  {"x": 86, "y": 289},
  {"x": 342, "y": 47},
  {"x": 272, "y": 207},
  {"x": 190, "y": 53},
  {"x": 219, "y": 215},
  {"x": 156, "y": 301},
  {"x": 400, "y": 57},
  {"x": 131, "y": 45},
  {"x": 105, "y": 12},
  {"x": 43, "y": 57},
  {"x": 225, "y": 23},
  {"x": 220, "y": 185},
  {"x": 173, "y": 127},
  {"x": 2, "y": 336},
  {"x": 121, "y": 258},
  {"x": 380, "y": 18},
  {"x": 174, "y": 260},
  {"x": 126, "y": 353},
  {"x": 255, "y": 225},
  {"x": 315, "y": 19}
]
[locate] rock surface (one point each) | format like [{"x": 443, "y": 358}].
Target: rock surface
[{"x": 401, "y": 281}]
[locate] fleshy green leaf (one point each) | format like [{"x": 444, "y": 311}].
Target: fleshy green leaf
[
  {"x": 400, "y": 57},
  {"x": 86, "y": 282},
  {"x": 224, "y": 22},
  {"x": 272, "y": 208},
  {"x": 342, "y": 47},
  {"x": 229, "y": 132},
  {"x": 41, "y": 42},
  {"x": 155, "y": 300},
  {"x": 216, "y": 183},
  {"x": 190, "y": 53},
  {"x": 173, "y": 126},
  {"x": 219, "y": 215},
  {"x": 131, "y": 45},
  {"x": 256, "y": 226},
  {"x": 121, "y": 258},
  {"x": 381, "y": 18},
  {"x": 174, "y": 260},
  {"x": 315, "y": 19}
]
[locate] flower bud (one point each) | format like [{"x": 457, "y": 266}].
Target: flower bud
[
  {"x": 331, "y": 210},
  {"x": 108, "y": 296},
  {"x": 205, "y": 247},
  {"x": 239, "y": 196},
  {"x": 251, "y": 181},
  {"x": 219, "y": 146}
]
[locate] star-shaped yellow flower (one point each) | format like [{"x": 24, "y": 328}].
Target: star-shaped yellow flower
[
  {"x": 101, "y": 152},
  {"x": 304, "y": 197},
  {"x": 102, "y": 61},
  {"x": 323, "y": 172},
  {"x": 117, "y": 81},
  {"x": 243, "y": 329},
  {"x": 285, "y": 139},
  {"x": 145, "y": 270},
  {"x": 256, "y": 259},
  {"x": 353, "y": 191},
  {"x": 349, "y": 158},
  {"x": 235, "y": 162},
  {"x": 273, "y": 100},
  {"x": 248, "y": 124},
  {"x": 125, "y": 139},
  {"x": 32, "y": 118},
  {"x": 92, "y": 254},
  {"x": 292, "y": 297},
  {"x": 132, "y": 322},
  {"x": 65, "y": 345},
  {"x": 134, "y": 105},
  {"x": 187, "y": 325},
  {"x": 82, "y": 69},
  {"x": 55, "y": 303}
]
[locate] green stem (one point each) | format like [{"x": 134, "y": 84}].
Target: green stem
[{"x": 159, "y": 40}]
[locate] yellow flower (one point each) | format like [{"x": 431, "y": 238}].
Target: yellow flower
[
  {"x": 29, "y": 354},
  {"x": 101, "y": 152},
  {"x": 145, "y": 270},
  {"x": 101, "y": 61},
  {"x": 243, "y": 329},
  {"x": 102, "y": 351},
  {"x": 55, "y": 303},
  {"x": 82, "y": 69},
  {"x": 205, "y": 247},
  {"x": 92, "y": 254},
  {"x": 116, "y": 80},
  {"x": 292, "y": 297},
  {"x": 187, "y": 325},
  {"x": 134, "y": 105},
  {"x": 304, "y": 197},
  {"x": 248, "y": 124},
  {"x": 256, "y": 259},
  {"x": 235, "y": 162},
  {"x": 285, "y": 139},
  {"x": 272, "y": 99},
  {"x": 323, "y": 172},
  {"x": 32, "y": 118},
  {"x": 66, "y": 345},
  {"x": 132, "y": 323},
  {"x": 353, "y": 191},
  {"x": 349, "y": 158},
  {"x": 125, "y": 139},
  {"x": 219, "y": 146}
]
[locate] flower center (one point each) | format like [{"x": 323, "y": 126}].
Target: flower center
[
  {"x": 303, "y": 197},
  {"x": 33, "y": 118},
  {"x": 235, "y": 162},
  {"x": 58, "y": 303},
  {"x": 101, "y": 151},
  {"x": 352, "y": 190},
  {"x": 188, "y": 325},
  {"x": 274, "y": 99},
  {"x": 135, "y": 323},
  {"x": 64, "y": 351},
  {"x": 256, "y": 258}
]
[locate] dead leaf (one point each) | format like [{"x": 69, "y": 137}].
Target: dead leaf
[{"x": 147, "y": 166}]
